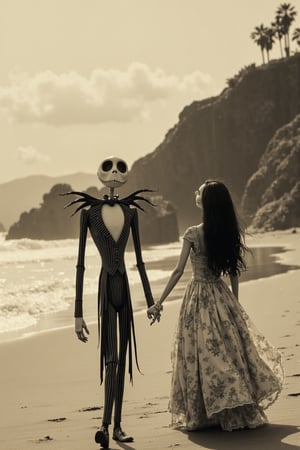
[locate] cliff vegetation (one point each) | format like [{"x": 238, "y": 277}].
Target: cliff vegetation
[{"x": 272, "y": 195}]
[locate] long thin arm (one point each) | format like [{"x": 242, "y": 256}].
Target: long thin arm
[
  {"x": 139, "y": 261},
  {"x": 177, "y": 272},
  {"x": 80, "y": 268},
  {"x": 153, "y": 313}
]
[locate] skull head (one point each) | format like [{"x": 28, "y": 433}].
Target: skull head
[{"x": 113, "y": 172}]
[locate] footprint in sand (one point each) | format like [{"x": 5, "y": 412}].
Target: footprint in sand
[
  {"x": 90, "y": 408},
  {"x": 59, "y": 419},
  {"x": 44, "y": 439}
]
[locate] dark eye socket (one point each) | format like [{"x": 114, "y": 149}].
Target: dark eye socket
[
  {"x": 121, "y": 166},
  {"x": 107, "y": 165}
]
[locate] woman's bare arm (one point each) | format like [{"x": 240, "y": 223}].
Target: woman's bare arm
[
  {"x": 154, "y": 311},
  {"x": 177, "y": 272}
]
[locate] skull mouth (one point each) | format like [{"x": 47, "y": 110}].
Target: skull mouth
[{"x": 117, "y": 182}]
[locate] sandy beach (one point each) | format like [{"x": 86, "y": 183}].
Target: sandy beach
[{"x": 51, "y": 398}]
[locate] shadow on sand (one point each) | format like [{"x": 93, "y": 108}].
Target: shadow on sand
[{"x": 269, "y": 437}]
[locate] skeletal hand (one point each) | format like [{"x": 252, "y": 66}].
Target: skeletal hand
[
  {"x": 80, "y": 327},
  {"x": 154, "y": 312}
]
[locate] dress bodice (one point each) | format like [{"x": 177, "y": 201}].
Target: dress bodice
[{"x": 200, "y": 269}]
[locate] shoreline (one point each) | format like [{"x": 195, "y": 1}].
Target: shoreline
[
  {"x": 54, "y": 321},
  {"x": 52, "y": 396}
]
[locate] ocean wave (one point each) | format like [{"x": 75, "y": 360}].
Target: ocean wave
[
  {"x": 32, "y": 244},
  {"x": 15, "y": 322},
  {"x": 38, "y": 277},
  {"x": 21, "y": 306},
  {"x": 28, "y": 250}
]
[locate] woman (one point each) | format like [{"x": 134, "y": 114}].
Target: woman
[{"x": 224, "y": 371}]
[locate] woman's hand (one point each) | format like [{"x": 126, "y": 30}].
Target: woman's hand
[
  {"x": 153, "y": 312},
  {"x": 80, "y": 326}
]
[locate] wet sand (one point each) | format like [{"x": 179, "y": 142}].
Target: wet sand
[{"x": 50, "y": 393}]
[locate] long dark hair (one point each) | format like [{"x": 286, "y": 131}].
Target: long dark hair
[{"x": 223, "y": 235}]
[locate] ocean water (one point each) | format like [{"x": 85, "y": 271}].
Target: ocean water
[{"x": 37, "y": 280}]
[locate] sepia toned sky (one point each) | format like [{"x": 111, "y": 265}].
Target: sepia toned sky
[{"x": 83, "y": 79}]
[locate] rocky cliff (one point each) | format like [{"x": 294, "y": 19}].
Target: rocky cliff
[
  {"x": 272, "y": 195},
  {"x": 49, "y": 221},
  {"x": 223, "y": 137},
  {"x": 23, "y": 194}
]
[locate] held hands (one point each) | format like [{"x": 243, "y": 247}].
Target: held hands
[
  {"x": 154, "y": 311},
  {"x": 80, "y": 325}
]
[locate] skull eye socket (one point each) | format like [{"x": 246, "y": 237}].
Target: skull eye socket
[
  {"x": 107, "y": 165},
  {"x": 121, "y": 167}
]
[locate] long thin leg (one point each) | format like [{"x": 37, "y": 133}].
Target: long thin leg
[
  {"x": 111, "y": 363},
  {"x": 124, "y": 333}
]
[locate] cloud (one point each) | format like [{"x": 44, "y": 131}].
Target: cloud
[
  {"x": 30, "y": 155},
  {"x": 106, "y": 95}
]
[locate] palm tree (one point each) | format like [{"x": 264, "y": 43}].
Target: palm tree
[
  {"x": 296, "y": 36},
  {"x": 260, "y": 38},
  {"x": 269, "y": 35},
  {"x": 278, "y": 32},
  {"x": 286, "y": 14}
]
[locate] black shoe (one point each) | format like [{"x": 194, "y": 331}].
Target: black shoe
[
  {"x": 120, "y": 436},
  {"x": 102, "y": 437}
]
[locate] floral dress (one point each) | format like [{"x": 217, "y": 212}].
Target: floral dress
[{"x": 224, "y": 371}]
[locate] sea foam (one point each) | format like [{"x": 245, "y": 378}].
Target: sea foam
[{"x": 38, "y": 277}]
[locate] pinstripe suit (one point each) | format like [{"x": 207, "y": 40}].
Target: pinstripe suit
[{"x": 114, "y": 300}]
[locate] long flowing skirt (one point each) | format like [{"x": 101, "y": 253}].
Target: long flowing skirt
[{"x": 224, "y": 371}]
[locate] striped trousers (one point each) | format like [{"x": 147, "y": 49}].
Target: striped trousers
[{"x": 118, "y": 329}]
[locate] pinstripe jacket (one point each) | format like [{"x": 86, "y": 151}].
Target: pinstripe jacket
[{"x": 112, "y": 255}]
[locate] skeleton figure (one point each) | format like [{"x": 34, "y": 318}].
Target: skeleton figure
[{"x": 109, "y": 221}]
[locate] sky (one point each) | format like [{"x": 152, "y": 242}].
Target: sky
[{"x": 81, "y": 80}]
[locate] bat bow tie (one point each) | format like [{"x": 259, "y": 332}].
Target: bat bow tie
[{"x": 87, "y": 200}]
